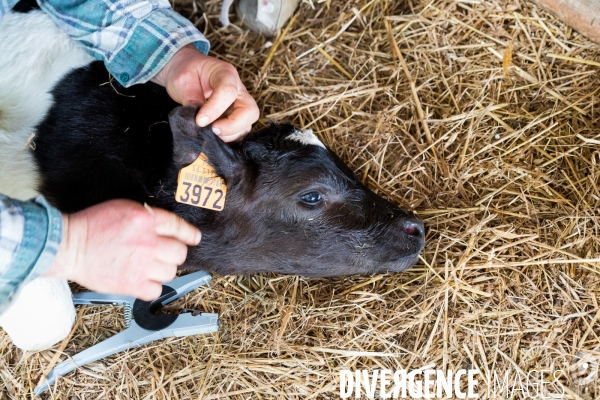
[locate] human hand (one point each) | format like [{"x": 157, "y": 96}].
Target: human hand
[
  {"x": 121, "y": 247},
  {"x": 191, "y": 77}
]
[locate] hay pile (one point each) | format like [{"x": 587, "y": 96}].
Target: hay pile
[{"x": 500, "y": 155}]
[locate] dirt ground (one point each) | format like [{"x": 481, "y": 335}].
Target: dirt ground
[{"x": 482, "y": 116}]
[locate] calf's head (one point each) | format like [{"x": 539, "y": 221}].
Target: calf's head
[{"x": 292, "y": 207}]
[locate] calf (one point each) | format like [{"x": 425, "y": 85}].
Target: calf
[{"x": 292, "y": 205}]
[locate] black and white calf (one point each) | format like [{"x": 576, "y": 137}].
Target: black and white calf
[{"x": 292, "y": 205}]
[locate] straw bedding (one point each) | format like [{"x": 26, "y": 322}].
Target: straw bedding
[{"x": 484, "y": 119}]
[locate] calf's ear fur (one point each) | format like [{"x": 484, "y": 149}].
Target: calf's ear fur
[{"x": 189, "y": 140}]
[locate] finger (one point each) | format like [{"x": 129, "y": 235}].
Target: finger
[
  {"x": 236, "y": 137},
  {"x": 147, "y": 290},
  {"x": 170, "y": 251},
  {"x": 244, "y": 113},
  {"x": 160, "y": 272},
  {"x": 225, "y": 92},
  {"x": 170, "y": 225}
]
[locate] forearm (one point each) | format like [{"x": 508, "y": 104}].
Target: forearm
[
  {"x": 135, "y": 39},
  {"x": 30, "y": 235}
]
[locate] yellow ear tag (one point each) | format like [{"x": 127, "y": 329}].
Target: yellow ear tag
[{"x": 199, "y": 185}]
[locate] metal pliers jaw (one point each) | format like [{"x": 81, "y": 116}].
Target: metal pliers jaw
[{"x": 143, "y": 325}]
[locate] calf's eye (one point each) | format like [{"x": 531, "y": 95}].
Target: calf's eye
[{"x": 311, "y": 198}]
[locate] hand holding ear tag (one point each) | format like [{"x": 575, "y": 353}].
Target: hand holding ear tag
[{"x": 199, "y": 185}]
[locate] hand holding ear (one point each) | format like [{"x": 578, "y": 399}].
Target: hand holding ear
[
  {"x": 192, "y": 78},
  {"x": 121, "y": 247}
]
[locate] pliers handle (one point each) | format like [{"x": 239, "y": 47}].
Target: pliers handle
[{"x": 145, "y": 327}]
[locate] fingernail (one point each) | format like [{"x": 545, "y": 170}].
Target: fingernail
[
  {"x": 203, "y": 121},
  {"x": 198, "y": 237},
  {"x": 216, "y": 130}
]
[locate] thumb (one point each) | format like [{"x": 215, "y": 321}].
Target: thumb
[{"x": 186, "y": 90}]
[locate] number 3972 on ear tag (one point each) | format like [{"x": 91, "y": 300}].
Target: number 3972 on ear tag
[{"x": 199, "y": 185}]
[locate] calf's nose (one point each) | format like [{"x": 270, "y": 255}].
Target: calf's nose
[
  {"x": 414, "y": 227},
  {"x": 408, "y": 223}
]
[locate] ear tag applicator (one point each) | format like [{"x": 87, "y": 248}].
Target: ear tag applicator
[
  {"x": 199, "y": 185},
  {"x": 143, "y": 323}
]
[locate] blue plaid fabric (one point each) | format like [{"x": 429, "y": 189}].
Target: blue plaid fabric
[
  {"x": 30, "y": 234},
  {"x": 134, "y": 38}
]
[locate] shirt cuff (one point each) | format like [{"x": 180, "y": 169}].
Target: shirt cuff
[
  {"x": 53, "y": 239},
  {"x": 153, "y": 42},
  {"x": 42, "y": 235}
]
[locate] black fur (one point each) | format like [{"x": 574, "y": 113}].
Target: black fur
[
  {"x": 101, "y": 141},
  {"x": 24, "y": 6}
]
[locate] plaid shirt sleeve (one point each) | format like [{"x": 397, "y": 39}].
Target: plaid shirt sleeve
[
  {"x": 30, "y": 234},
  {"x": 134, "y": 38},
  {"x": 6, "y": 5}
]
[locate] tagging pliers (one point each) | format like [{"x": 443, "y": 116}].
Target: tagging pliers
[{"x": 142, "y": 323}]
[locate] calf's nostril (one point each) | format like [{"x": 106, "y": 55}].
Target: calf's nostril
[{"x": 413, "y": 230}]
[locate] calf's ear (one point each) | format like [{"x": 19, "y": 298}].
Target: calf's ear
[{"x": 189, "y": 140}]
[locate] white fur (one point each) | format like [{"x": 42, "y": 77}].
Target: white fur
[
  {"x": 305, "y": 137},
  {"x": 42, "y": 315},
  {"x": 34, "y": 55}
]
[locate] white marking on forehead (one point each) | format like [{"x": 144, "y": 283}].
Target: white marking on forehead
[{"x": 305, "y": 137}]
